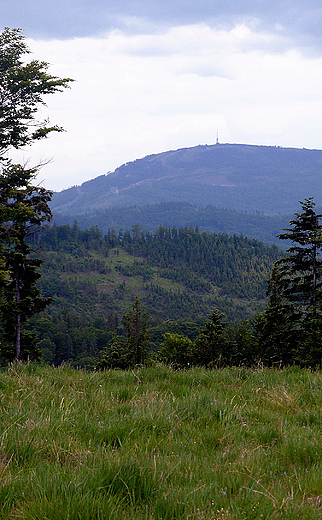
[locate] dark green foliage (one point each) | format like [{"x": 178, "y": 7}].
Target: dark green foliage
[
  {"x": 23, "y": 204},
  {"x": 134, "y": 350},
  {"x": 216, "y": 345},
  {"x": 242, "y": 339},
  {"x": 235, "y": 264},
  {"x": 277, "y": 328},
  {"x": 290, "y": 328},
  {"x": 179, "y": 276},
  {"x": 309, "y": 343},
  {"x": 176, "y": 350},
  {"x": 67, "y": 336},
  {"x": 72, "y": 239},
  {"x": 23, "y": 207},
  {"x": 301, "y": 269},
  {"x": 211, "y": 348},
  {"x": 187, "y": 328}
]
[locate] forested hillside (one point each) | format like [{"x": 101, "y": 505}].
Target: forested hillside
[
  {"x": 179, "y": 275},
  {"x": 182, "y": 214},
  {"x": 241, "y": 177}
]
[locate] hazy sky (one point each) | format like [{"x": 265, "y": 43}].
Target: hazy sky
[{"x": 154, "y": 75}]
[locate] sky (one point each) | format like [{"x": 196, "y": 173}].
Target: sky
[{"x": 157, "y": 75}]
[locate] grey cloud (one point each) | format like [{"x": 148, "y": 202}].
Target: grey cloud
[{"x": 71, "y": 18}]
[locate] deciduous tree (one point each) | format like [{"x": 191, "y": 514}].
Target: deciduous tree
[
  {"x": 176, "y": 350},
  {"x": 22, "y": 90},
  {"x": 23, "y": 203}
]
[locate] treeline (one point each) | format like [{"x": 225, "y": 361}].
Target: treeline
[
  {"x": 67, "y": 336},
  {"x": 181, "y": 214},
  {"x": 73, "y": 239},
  {"x": 213, "y": 344},
  {"x": 288, "y": 331},
  {"x": 180, "y": 276}
]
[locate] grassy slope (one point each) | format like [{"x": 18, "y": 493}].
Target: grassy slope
[{"x": 159, "y": 444}]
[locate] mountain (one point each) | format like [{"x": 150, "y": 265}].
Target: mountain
[{"x": 248, "y": 178}]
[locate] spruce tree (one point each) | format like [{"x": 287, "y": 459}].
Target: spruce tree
[
  {"x": 134, "y": 350},
  {"x": 211, "y": 347},
  {"x": 301, "y": 268},
  {"x": 277, "y": 327},
  {"x": 23, "y": 207},
  {"x": 290, "y": 328}
]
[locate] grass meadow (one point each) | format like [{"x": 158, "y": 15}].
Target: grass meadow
[{"x": 155, "y": 443}]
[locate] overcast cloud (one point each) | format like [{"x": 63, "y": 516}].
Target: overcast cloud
[
  {"x": 152, "y": 76},
  {"x": 70, "y": 18}
]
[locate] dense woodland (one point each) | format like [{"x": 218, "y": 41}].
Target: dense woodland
[
  {"x": 179, "y": 275},
  {"x": 252, "y": 224}
]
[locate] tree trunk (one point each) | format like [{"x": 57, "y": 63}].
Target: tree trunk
[
  {"x": 314, "y": 280},
  {"x": 18, "y": 323}
]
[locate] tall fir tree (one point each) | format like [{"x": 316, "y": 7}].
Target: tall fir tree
[
  {"x": 23, "y": 207},
  {"x": 290, "y": 329},
  {"x": 301, "y": 268}
]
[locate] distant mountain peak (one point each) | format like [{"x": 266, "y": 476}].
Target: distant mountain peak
[{"x": 237, "y": 176}]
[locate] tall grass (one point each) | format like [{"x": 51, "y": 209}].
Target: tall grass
[{"x": 159, "y": 444}]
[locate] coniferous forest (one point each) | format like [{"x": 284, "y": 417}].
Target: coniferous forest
[
  {"x": 204, "y": 296},
  {"x": 207, "y": 299},
  {"x": 179, "y": 275}
]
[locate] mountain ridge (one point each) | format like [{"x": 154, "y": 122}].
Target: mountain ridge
[{"x": 242, "y": 177}]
